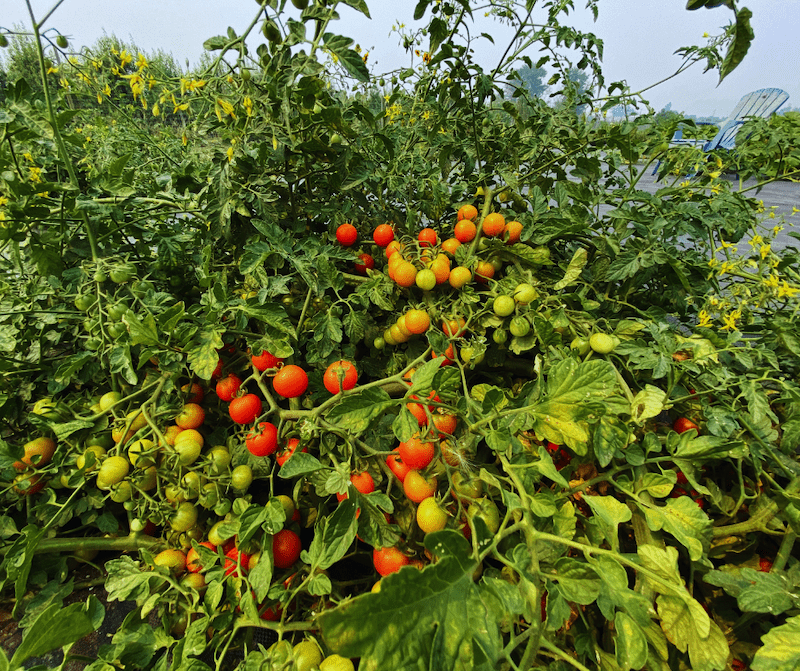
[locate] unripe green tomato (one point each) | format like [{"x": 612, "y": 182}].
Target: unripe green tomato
[
  {"x": 242, "y": 477},
  {"x": 219, "y": 459},
  {"x": 271, "y": 31},
  {"x": 112, "y": 470},
  {"x": 84, "y": 301},
  {"x": 122, "y": 273},
  {"x": 519, "y": 327},
  {"x": 188, "y": 451},
  {"x": 116, "y": 330},
  {"x": 426, "y": 279},
  {"x": 602, "y": 343},
  {"x": 500, "y": 336},
  {"x": 307, "y": 655},
  {"x": 184, "y": 517},
  {"x": 467, "y": 486},
  {"x": 62, "y": 42},
  {"x": 300, "y": 4},
  {"x": 100, "y": 276},
  {"x": 3, "y": 41},
  {"x": 336, "y": 663},
  {"x": 379, "y": 343},
  {"x": 336, "y": 139},
  {"x": 503, "y": 306},
  {"x": 121, "y": 492},
  {"x": 214, "y": 535},
  {"x": 191, "y": 482},
  {"x": 487, "y": 510},
  {"x": 580, "y": 345},
  {"x": 208, "y": 496},
  {"x": 148, "y": 479},
  {"x": 525, "y": 293}
]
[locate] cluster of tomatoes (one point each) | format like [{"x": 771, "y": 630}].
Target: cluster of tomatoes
[{"x": 427, "y": 261}]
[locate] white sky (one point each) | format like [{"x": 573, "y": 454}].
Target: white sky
[{"x": 640, "y": 37}]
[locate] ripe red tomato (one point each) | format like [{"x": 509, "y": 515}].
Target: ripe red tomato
[
  {"x": 396, "y": 464},
  {"x": 263, "y": 441},
  {"x": 265, "y": 360},
  {"x": 233, "y": 558},
  {"x": 195, "y": 392},
  {"x": 388, "y": 560},
  {"x": 245, "y": 409},
  {"x": 283, "y": 456},
  {"x": 683, "y": 424},
  {"x": 346, "y": 234},
  {"x": 366, "y": 262},
  {"x": 331, "y": 378},
  {"x": 193, "y": 564},
  {"x": 286, "y": 548},
  {"x": 427, "y": 237},
  {"x": 415, "y": 453},
  {"x": 383, "y": 235},
  {"x": 363, "y": 482},
  {"x": 290, "y": 382},
  {"x": 228, "y": 386}
]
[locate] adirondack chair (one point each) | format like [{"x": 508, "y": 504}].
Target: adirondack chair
[{"x": 762, "y": 103}]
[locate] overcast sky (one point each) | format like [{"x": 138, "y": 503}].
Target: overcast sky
[{"x": 640, "y": 37}]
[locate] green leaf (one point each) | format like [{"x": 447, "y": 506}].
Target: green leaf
[
  {"x": 742, "y": 38},
  {"x": 647, "y": 404},
  {"x": 610, "y": 436},
  {"x": 688, "y": 626},
  {"x": 577, "y": 581},
  {"x": 781, "y": 649},
  {"x": 573, "y": 272},
  {"x": 119, "y": 359},
  {"x": 333, "y": 536},
  {"x": 300, "y": 463},
  {"x": 574, "y": 395},
  {"x": 202, "y": 353},
  {"x": 685, "y": 520},
  {"x": 420, "y": 620},
  {"x": 349, "y": 58},
  {"x": 215, "y": 43},
  {"x": 359, "y": 5},
  {"x": 630, "y": 643},
  {"x": 142, "y": 332},
  {"x": 610, "y": 513},
  {"x": 54, "y": 628},
  {"x": 357, "y": 411},
  {"x": 756, "y": 591}
]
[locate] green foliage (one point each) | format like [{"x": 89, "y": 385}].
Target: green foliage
[{"x": 159, "y": 228}]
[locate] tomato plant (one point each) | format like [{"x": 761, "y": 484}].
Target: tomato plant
[{"x": 514, "y": 361}]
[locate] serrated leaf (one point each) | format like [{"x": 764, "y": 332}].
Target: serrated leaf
[
  {"x": 334, "y": 535},
  {"x": 119, "y": 359},
  {"x": 54, "y": 627},
  {"x": 647, "y": 404},
  {"x": 781, "y": 648},
  {"x": 743, "y": 37},
  {"x": 144, "y": 332},
  {"x": 630, "y": 643},
  {"x": 688, "y": 626},
  {"x": 685, "y": 520},
  {"x": 610, "y": 513},
  {"x": 359, "y": 5},
  {"x": 300, "y": 463},
  {"x": 202, "y": 352},
  {"x": 577, "y": 581},
  {"x": 357, "y": 411},
  {"x": 574, "y": 269},
  {"x": 573, "y": 397},
  {"x": 438, "y": 614}
]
